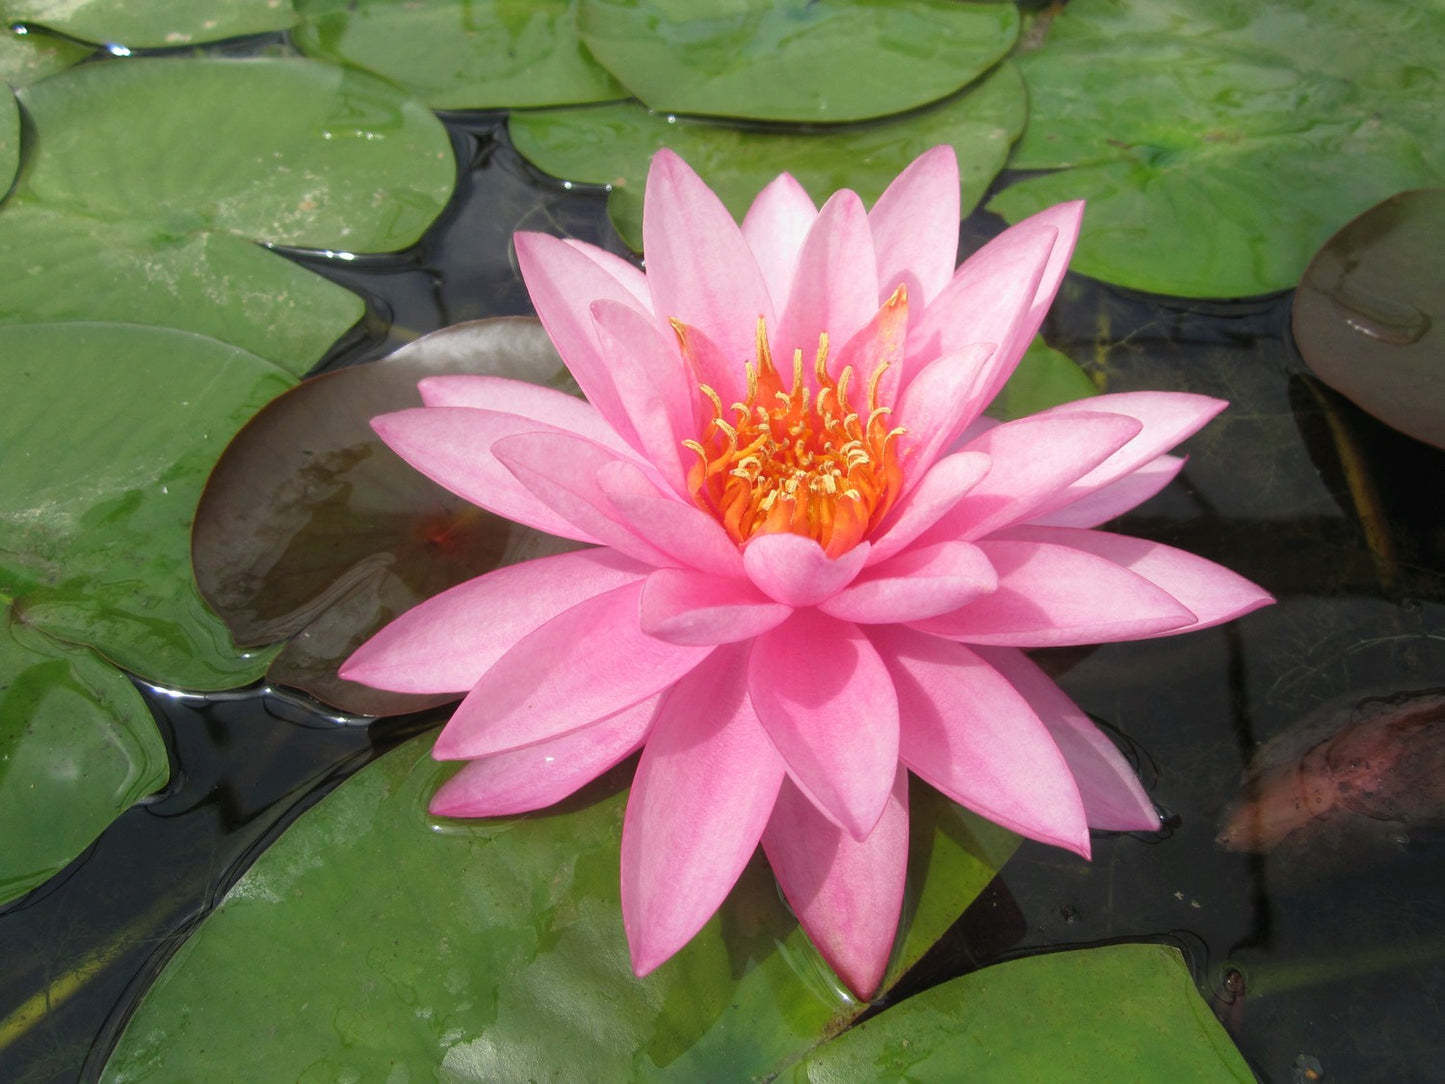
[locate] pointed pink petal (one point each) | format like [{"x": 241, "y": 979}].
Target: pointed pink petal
[
  {"x": 1032, "y": 459},
  {"x": 827, "y": 702},
  {"x": 700, "y": 269},
  {"x": 453, "y": 447},
  {"x": 939, "y": 402},
  {"x": 940, "y": 488},
  {"x": 835, "y": 286},
  {"x": 968, "y": 732},
  {"x": 702, "y": 795},
  {"x": 1114, "y": 799},
  {"x": 500, "y": 395},
  {"x": 628, "y": 275},
  {"x": 915, "y": 226},
  {"x": 686, "y": 607},
  {"x": 847, "y": 895},
  {"x": 536, "y": 776},
  {"x": 675, "y": 527},
  {"x": 774, "y": 227},
  {"x": 586, "y": 663},
  {"x": 1052, "y": 595},
  {"x": 562, "y": 471},
  {"x": 923, "y": 582},
  {"x": 446, "y": 643},
  {"x": 795, "y": 571},
  {"x": 880, "y": 343},
  {"x": 704, "y": 362},
  {"x": 1210, "y": 591},
  {"x": 1114, "y": 498}
]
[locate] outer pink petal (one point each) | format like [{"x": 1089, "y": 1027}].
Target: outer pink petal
[
  {"x": 1115, "y": 498},
  {"x": 847, "y": 895},
  {"x": 446, "y": 643},
  {"x": 940, "y": 489},
  {"x": 700, "y": 269},
  {"x": 686, "y": 607},
  {"x": 628, "y": 275},
  {"x": 1052, "y": 595},
  {"x": 540, "y": 775},
  {"x": 675, "y": 527},
  {"x": 586, "y": 663},
  {"x": 827, "y": 702},
  {"x": 1211, "y": 592},
  {"x": 795, "y": 571},
  {"x": 453, "y": 447},
  {"x": 702, "y": 795},
  {"x": 970, "y": 733},
  {"x": 915, "y": 226},
  {"x": 1114, "y": 799},
  {"x": 774, "y": 228},
  {"x": 503, "y": 396},
  {"x": 835, "y": 286},
  {"x": 923, "y": 582}
]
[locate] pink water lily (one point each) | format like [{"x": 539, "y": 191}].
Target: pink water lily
[{"x": 813, "y": 564}]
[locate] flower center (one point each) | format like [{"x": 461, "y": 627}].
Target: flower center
[{"x": 797, "y": 459}]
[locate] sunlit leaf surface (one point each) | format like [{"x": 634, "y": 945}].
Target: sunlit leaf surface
[
  {"x": 795, "y": 60},
  {"x": 1220, "y": 145},
  {"x": 482, "y": 55},
  {"x": 1118, "y": 1012},
  {"x": 613, "y": 145},
  {"x": 1043, "y": 379},
  {"x": 372, "y": 938},
  {"x": 24, "y": 58},
  {"x": 9, "y": 138},
  {"x": 149, "y": 25}
]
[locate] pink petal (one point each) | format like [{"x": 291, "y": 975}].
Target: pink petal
[
  {"x": 835, "y": 286},
  {"x": 627, "y": 274},
  {"x": 704, "y": 362},
  {"x": 827, "y": 702},
  {"x": 1114, "y": 498},
  {"x": 699, "y": 267},
  {"x": 588, "y": 662},
  {"x": 1211, "y": 592},
  {"x": 923, "y": 582},
  {"x": 702, "y": 795},
  {"x": 938, "y": 490},
  {"x": 1051, "y": 595},
  {"x": 847, "y": 895},
  {"x": 880, "y": 343},
  {"x": 675, "y": 527},
  {"x": 686, "y": 607},
  {"x": 795, "y": 571},
  {"x": 939, "y": 402},
  {"x": 774, "y": 228},
  {"x": 968, "y": 732},
  {"x": 556, "y": 409},
  {"x": 1114, "y": 799},
  {"x": 915, "y": 226},
  {"x": 453, "y": 447},
  {"x": 446, "y": 643},
  {"x": 536, "y": 776}
]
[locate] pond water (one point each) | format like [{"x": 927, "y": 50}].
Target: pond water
[{"x": 1326, "y": 954}]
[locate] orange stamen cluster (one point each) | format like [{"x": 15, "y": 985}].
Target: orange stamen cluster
[{"x": 797, "y": 459}]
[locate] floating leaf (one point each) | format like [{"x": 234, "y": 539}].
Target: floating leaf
[
  {"x": 795, "y": 60},
  {"x": 486, "y": 54},
  {"x": 312, "y": 531},
  {"x": 9, "y": 139},
  {"x": 1117, "y": 1012},
  {"x": 1369, "y": 315},
  {"x": 1044, "y": 378},
  {"x": 614, "y": 144},
  {"x": 28, "y": 56},
  {"x": 494, "y": 950},
  {"x": 1219, "y": 145},
  {"x": 148, "y": 26}
]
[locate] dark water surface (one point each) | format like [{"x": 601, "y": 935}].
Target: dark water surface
[{"x": 1328, "y": 952}]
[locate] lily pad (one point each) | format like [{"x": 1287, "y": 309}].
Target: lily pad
[
  {"x": 148, "y": 26},
  {"x": 1044, "y": 378},
  {"x": 613, "y": 145},
  {"x": 488, "y": 54},
  {"x": 1369, "y": 315},
  {"x": 796, "y": 60},
  {"x": 312, "y": 531},
  {"x": 1117, "y": 1012},
  {"x": 77, "y": 748},
  {"x": 9, "y": 139},
  {"x": 1220, "y": 145},
  {"x": 27, "y": 55},
  {"x": 494, "y": 950}
]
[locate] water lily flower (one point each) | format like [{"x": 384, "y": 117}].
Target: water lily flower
[{"x": 813, "y": 565}]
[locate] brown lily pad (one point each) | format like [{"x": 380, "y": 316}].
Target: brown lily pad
[{"x": 313, "y": 532}]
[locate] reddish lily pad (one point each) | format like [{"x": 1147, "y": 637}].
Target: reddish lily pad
[
  {"x": 313, "y": 532},
  {"x": 1369, "y": 315}
]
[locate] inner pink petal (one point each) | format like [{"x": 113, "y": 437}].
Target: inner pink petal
[
  {"x": 682, "y": 606},
  {"x": 915, "y": 226},
  {"x": 795, "y": 571}
]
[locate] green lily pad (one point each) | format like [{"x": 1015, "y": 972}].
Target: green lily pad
[
  {"x": 487, "y": 54},
  {"x": 1118, "y": 1012},
  {"x": 9, "y": 139},
  {"x": 796, "y": 60},
  {"x": 494, "y": 950},
  {"x": 1220, "y": 145},
  {"x": 30, "y": 55},
  {"x": 1044, "y": 378},
  {"x": 77, "y": 748},
  {"x": 149, "y": 26},
  {"x": 613, "y": 145}
]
